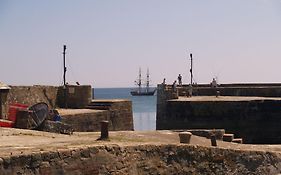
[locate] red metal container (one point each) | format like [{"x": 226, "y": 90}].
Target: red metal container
[
  {"x": 6, "y": 123},
  {"x": 13, "y": 110}
]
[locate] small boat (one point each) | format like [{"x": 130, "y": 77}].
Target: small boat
[{"x": 143, "y": 91}]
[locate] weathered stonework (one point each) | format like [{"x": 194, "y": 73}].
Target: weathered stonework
[
  {"x": 258, "y": 90},
  {"x": 143, "y": 159},
  {"x": 255, "y": 119},
  {"x": 117, "y": 112},
  {"x": 3, "y": 103},
  {"x": 31, "y": 95},
  {"x": 74, "y": 96},
  {"x": 86, "y": 122},
  {"x": 121, "y": 115},
  {"x": 77, "y": 97}
]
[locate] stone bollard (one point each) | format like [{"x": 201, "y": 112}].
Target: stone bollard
[
  {"x": 217, "y": 93},
  {"x": 104, "y": 130},
  {"x": 185, "y": 137},
  {"x": 213, "y": 140}
]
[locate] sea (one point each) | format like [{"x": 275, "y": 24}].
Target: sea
[{"x": 144, "y": 107}]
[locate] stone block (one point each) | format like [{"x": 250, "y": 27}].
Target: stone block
[
  {"x": 56, "y": 127},
  {"x": 185, "y": 137}
]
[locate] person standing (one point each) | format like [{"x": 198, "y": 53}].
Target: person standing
[
  {"x": 174, "y": 86},
  {"x": 164, "y": 81},
  {"x": 180, "y": 79}
]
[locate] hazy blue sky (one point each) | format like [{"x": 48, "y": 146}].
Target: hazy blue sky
[{"x": 108, "y": 40}]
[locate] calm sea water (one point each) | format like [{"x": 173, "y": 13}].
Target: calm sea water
[{"x": 144, "y": 107}]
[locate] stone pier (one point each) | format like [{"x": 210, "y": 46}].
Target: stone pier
[{"x": 255, "y": 119}]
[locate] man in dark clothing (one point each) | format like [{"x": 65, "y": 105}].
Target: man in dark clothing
[{"x": 179, "y": 79}]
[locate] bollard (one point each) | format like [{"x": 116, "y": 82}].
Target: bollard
[
  {"x": 217, "y": 93},
  {"x": 104, "y": 130},
  {"x": 185, "y": 137},
  {"x": 213, "y": 140}
]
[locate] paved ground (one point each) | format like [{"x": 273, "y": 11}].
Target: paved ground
[
  {"x": 77, "y": 111},
  {"x": 17, "y": 141}
]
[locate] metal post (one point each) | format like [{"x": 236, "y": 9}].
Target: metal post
[
  {"x": 191, "y": 71},
  {"x": 64, "y": 67},
  {"x": 191, "y": 77},
  {"x": 64, "y": 77}
]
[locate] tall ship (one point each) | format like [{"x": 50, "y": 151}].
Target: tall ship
[{"x": 143, "y": 91}]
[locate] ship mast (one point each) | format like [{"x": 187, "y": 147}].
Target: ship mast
[
  {"x": 139, "y": 80},
  {"x": 147, "y": 80}
]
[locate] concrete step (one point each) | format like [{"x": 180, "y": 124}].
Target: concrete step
[
  {"x": 228, "y": 137},
  {"x": 99, "y": 105},
  {"x": 238, "y": 140}
]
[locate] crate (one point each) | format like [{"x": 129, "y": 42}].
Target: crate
[{"x": 13, "y": 110}]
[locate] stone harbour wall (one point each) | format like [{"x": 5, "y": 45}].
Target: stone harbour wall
[
  {"x": 31, "y": 95},
  {"x": 77, "y": 96},
  {"x": 121, "y": 115},
  {"x": 259, "y": 90},
  {"x": 118, "y": 113},
  {"x": 74, "y": 96},
  {"x": 143, "y": 159},
  {"x": 255, "y": 121}
]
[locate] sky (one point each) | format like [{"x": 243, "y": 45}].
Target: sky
[{"x": 108, "y": 41}]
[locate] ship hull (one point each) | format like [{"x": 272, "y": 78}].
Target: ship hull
[{"x": 137, "y": 93}]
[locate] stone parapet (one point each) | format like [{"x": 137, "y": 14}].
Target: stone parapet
[
  {"x": 31, "y": 95},
  {"x": 143, "y": 159},
  {"x": 117, "y": 112},
  {"x": 84, "y": 121},
  {"x": 74, "y": 96},
  {"x": 260, "y": 90}
]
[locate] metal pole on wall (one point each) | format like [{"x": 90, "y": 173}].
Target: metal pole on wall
[
  {"x": 64, "y": 67},
  {"x": 191, "y": 71},
  {"x": 191, "y": 77},
  {"x": 64, "y": 77}
]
